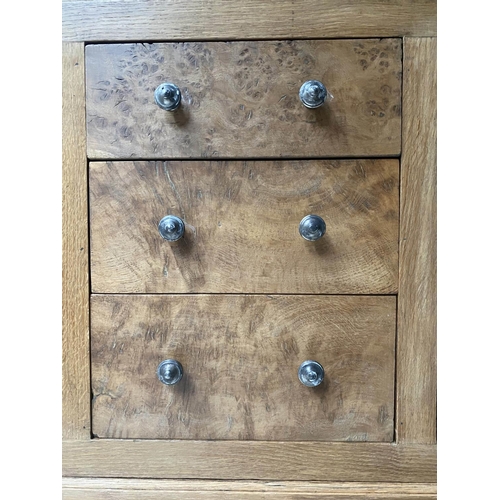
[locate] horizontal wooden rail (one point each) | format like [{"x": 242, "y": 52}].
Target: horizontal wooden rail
[
  {"x": 166, "y": 489},
  {"x": 146, "y": 20},
  {"x": 264, "y": 460}
]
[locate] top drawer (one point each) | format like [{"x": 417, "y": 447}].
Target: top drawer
[{"x": 241, "y": 99}]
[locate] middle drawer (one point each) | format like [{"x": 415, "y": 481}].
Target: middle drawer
[{"x": 242, "y": 226}]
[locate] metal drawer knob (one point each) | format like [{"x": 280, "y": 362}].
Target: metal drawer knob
[
  {"x": 311, "y": 373},
  {"x": 312, "y": 94},
  {"x": 169, "y": 372},
  {"x": 312, "y": 227},
  {"x": 171, "y": 228},
  {"x": 168, "y": 96}
]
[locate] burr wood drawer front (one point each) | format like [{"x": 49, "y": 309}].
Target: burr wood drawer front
[
  {"x": 240, "y": 357},
  {"x": 241, "y": 226},
  {"x": 241, "y": 99}
]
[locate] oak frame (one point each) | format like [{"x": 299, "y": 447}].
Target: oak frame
[
  {"x": 171, "y": 489},
  {"x": 412, "y": 458},
  {"x": 151, "y": 20}
]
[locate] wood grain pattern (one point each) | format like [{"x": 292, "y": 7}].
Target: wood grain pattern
[
  {"x": 240, "y": 99},
  {"x": 242, "y": 226},
  {"x": 416, "y": 365},
  {"x": 122, "y": 20},
  {"x": 75, "y": 290},
  {"x": 240, "y": 356},
  {"x": 166, "y": 489},
  {"x": 211, "y": 19},
  {"x": 308, "y": 461}
]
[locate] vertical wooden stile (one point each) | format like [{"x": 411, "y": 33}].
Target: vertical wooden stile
[
  {"x": 75, "y": 280},
  {"x": 416, "y": 347}
]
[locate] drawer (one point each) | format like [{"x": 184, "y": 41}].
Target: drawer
[
  {"x": 241, "y": 99},
  {"x": 240, "y": 357},
  {"x": 242, "y": 226}
]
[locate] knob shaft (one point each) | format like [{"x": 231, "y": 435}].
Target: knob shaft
[
  {"x": 169, "y": 372},
  {"x": 171, "y": 228},
  {"x": 168, "y": 96},
  {"x": 311, "y": 373},
  {"x": 312, "y": 94},
  {"x": 312, "y": 227}
]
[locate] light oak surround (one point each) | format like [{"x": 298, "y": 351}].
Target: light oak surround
[
  {"x": 150, "y": 20},
  {"x": 169, "y": 489},
  {"x": 308, "y": 461},
  {"x": 103, "y": 469},
  {"x": 75, "y": 251},
  {"x": 417, "y": 322}
]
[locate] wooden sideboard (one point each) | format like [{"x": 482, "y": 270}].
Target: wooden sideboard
[{"x": 241, "y": 300}]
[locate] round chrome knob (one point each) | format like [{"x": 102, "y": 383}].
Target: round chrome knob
[
  {"x": 171, "y": 228},
  {"x": 169, "y": 372},
  {"x": 311, "y": 373},
  {"x": 312, "y": 227},
  {"x": 312, "y": 94},
  {"x": 168, "y": 96}
]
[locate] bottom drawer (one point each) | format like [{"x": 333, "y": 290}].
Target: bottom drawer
[{"x": 240, "y": 356}]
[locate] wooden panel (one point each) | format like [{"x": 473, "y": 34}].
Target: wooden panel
[
  {"x": 155, "y": 489},
  {"x": 382, "y": 462},
  {"x": 240, "y": 99},
  {"x": 240, "y": 356},
  {"x": 242, "y": 226},
  {"x": 75, "y": 307},
  {"x": 112, "y": 20},
  {"x": 416, "y": 372}
]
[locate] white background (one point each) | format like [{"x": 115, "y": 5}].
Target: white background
[{"x": 468, "y": 249}]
